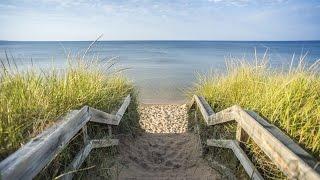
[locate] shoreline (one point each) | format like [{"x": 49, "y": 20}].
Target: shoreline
[{"x": 162, "y": 102}]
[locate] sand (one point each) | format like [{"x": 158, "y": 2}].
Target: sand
[
  {"x": 163, "y": 118},
  {"x": 166, "y": 150}
]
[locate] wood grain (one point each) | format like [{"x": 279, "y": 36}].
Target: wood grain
[{"x": 29, "y": 160}]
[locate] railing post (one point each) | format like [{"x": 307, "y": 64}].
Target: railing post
[
  {"x": 197, "y": 128},
  {"x": 110, "y": 130},
  {"x": 85, "y": 134},
  {"x": 241, "y": 135}
]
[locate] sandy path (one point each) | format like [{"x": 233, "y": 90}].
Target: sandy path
[
  {"x": 163, "y": 118},
  {"x": 166, "y": 150}
]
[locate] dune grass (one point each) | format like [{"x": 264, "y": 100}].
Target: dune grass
[
  {"x": 290, "y": 99},
  {"x": 31, "y": 100}
]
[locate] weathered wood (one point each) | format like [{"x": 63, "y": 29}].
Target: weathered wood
[
  {"x": 221, "y": 117},
  {"x": 241, "y": 136},
  {"x": 106, "y": 118},
  {"x": 245, "y": 161},
  {"x": 78, "y": 160},
  {"x": 240, "y": 154},
  {"x": 29, "y": 160},
  {"x": 83, "y": 154},
  {"x": 110, "y": 130},
  {"x": 85, "y": 134},
  {"x": 191, "y": 103},
  {"x": 123, "y": 108},
  {"x": 99, "y": 143},
  {"x": 282, "y": 150},
  {"x": 219, "y": 143},
  {"x": 102, "y": 117},
  {"x": 204, "y": 108},
  {"x": 208, "y": 114},
  {"x": 294, "y": 161}
]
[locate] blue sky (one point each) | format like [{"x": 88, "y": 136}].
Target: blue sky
[{"x": 160, "y": 20}]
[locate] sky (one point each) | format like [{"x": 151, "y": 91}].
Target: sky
[{"x": 60, "y": 20}]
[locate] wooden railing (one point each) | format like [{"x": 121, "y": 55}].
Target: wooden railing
[
  {"x": 31, "y": 158},
  {"x": 289, "y": 157}
]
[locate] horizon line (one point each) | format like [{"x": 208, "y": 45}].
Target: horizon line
[{"x": 155, "y": 40}]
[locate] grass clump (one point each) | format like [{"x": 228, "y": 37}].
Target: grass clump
[
  {"x": 290, "y": 99},
  {"x": 31, "y": 100}
]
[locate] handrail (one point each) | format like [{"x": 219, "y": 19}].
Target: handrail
[
  {"x": 289, "y": 157},
  {"x": 31, "y": 158}
]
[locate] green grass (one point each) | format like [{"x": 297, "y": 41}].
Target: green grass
[
  {"x": 289, "y": 99},
  {"x": 32, "y": 100}
]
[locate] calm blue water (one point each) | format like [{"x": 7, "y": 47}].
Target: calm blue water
[{"x": 161, "y": 69}]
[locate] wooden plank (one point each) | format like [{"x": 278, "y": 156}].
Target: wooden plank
[
  {"x": 283, "y": 151},
  {"x": 221, "y": 117},
  {"x": 219, "y": 143},
  {"x": 204, "y": 108},
  {"x": 123, "y": 108},
  {"x": 191, "y": 103},
  {"x": 99, "y": 143},
  {"x": 83, "y": 154},
  {"x": 106, "y": 118},
  {"x": 208, "y": 114},
  {"x": 102, "y": 117},
  {"x": 240, "y": 154},
  {"x": 30, "y": 159},
  {"x": 245, "y": 161},
  {"x": 78, "y": 160}
]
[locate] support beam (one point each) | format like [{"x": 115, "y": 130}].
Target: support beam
[
  {"x": 102, "y": 117},
  {"x": 240, "y": 154},
  {"x": 99, "y": 143},
  {"x": 191, "y": 103},
  {"x": 123, "y": 108},
  {"x": 106, "y": 118},
  {"x": 223, "y": 116},
  {"x": 78, "y": 160},
  {"x": 241, "y": 136},
  {"x": 83, "y": 154},
  {"x": 110, "y": 130},
  {"x": 85, "y": 134}
]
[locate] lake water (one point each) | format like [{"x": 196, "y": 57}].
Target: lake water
[{"x": 161, "y": 70}]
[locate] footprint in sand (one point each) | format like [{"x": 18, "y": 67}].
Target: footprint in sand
[{"x": 166, "y": 150}]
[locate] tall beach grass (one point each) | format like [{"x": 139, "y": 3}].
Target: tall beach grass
[
  {"x": 31, "y": 100},
  {"x": 289, "y": 98}
]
